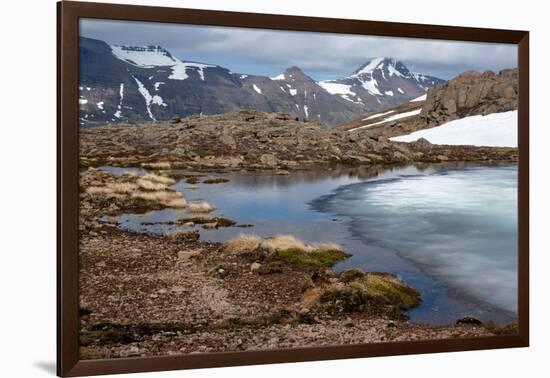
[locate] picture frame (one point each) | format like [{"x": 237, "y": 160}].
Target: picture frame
[{"x": 69, "y": 13}]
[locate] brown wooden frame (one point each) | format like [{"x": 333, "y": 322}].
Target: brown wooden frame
[{"x": 68, "y": 14}]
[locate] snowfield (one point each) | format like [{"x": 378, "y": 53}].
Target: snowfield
[
  {"x": 391, "y": 118},
  {"x": 493, "y": 130},
  {"x": 156, "y": 56},
  {"x": 146, "y": 57}
]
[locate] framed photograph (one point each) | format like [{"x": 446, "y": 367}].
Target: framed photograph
[{"x": 238, "y": 188}]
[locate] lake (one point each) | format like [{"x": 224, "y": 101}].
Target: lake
[{"x": 448, "y": 230}]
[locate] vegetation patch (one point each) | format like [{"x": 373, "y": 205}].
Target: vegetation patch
[
  {"x": 157, "y": 165},
  {"x": 215, "y": 180},
  {"x": 192, "y": 179},
  {"x": 201, "y": 207},
  {"x": 150, "y": 191},
  {"x": 289, "y": 249},
  {"x": 319, "y": 258},
  {"x": 369, "y": 292},
  {"x": 220, "y": 221},
  {"x": 242, "y": 244}
]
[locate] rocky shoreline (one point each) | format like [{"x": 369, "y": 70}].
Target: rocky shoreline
[{"x": 146, "y": 295}]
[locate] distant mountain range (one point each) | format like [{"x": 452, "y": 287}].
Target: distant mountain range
[{"x": 134, "y": 84}]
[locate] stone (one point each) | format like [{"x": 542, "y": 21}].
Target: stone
[
  {"x": 268, "y": 159},
  {"x": 469, "y": 320},
  {"x": 255, "y": 266},
  {"x": 186, "y": 255},
  {"x": 228, "y": 140}
]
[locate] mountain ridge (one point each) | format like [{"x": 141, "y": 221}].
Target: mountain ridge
[{"x": 132, "y": 84}]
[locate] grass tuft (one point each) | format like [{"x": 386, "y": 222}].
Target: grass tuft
[
  {"x": 201, "y": 207},
  {"x": 242, "y": 244}
]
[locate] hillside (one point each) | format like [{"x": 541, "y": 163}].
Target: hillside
[{"x": 133, "y": 84}]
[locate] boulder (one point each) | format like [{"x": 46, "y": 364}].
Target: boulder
[{"x": 268, "y": 159}]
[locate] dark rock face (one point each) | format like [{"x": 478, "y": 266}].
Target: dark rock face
[
  {"x": 471, "y": 93},
  {"x": 125, "y": 84}
]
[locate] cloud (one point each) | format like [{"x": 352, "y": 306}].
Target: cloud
[{"x": 322, "y": 54}]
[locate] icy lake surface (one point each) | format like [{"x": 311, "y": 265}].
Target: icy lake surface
[{"x": 450, "y": 231}]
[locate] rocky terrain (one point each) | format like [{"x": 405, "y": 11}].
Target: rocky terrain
[
  {"x": 256, "y": 140},
  {"x": 471, "y": 93},
  {"x": 136, "y": 84},
  {"x": 146, "y": 295}
]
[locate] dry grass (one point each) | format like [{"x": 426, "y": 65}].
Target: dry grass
[
  {"x": 122, "y": 187},
  {"x": 113, "y": 189},
  {"x": 102, "y": 191},
  {"x": 286, "y": 242},
  {"x": 242, "y": 244},
  {"x": 167, "y": 198},
  {"x": 201, "y": 207},
  {"x": 150, "y": 185},
  {"x": 159, "y": 179},
  {"x": 157, "y": 165}
]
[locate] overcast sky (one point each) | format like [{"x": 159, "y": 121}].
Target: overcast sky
[{"x": 320, "y": 55}]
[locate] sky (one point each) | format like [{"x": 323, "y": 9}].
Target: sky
[{"x": 323, "y": 56}]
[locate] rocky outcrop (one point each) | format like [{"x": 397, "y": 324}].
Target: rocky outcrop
[
  {"x": 471, "y": 93},
  {"x": 251, "y": 140}
]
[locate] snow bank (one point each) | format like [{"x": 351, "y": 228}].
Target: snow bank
[
  {"x": 493, "y": 130},
  {"x": 421, "y": 98},
  {"x": 391, "y": 118},
  {"x": 378, "y": 115}
]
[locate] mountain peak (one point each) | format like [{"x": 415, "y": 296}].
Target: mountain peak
[
  {"x": 291, "y": 74},
  {"x": 387, "y": 64}
]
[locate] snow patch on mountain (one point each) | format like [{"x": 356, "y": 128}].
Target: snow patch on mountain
[
  {"x": 156, "y": 56},
  {"x": 369, "y": 67},
  {"x": 256, "y": 88},
  {"x": 492, "y": 130},
  {"x": 336, "y": 88},
  {"x": 149, "y": 99},
  {"x": 179, "y": 71},
  {"x": 279, "y": 77},
  {"x": 118, "y": 113},
  {"x": 143, "y": 56}
]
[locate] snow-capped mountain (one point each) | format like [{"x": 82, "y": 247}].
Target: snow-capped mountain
[
  {"x": 381, "y": 82},
  {"x": 147, "y": 83}
]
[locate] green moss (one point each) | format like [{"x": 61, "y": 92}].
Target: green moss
[
  {"x": 351, "y": 275},
  {"x": 220, "y": 221},
  {"x": 371, "y": 292},
  {"x": 320, "y": 258},
  {"x": 391, "y": 289},
  {"x": 215, "y": 180}
]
